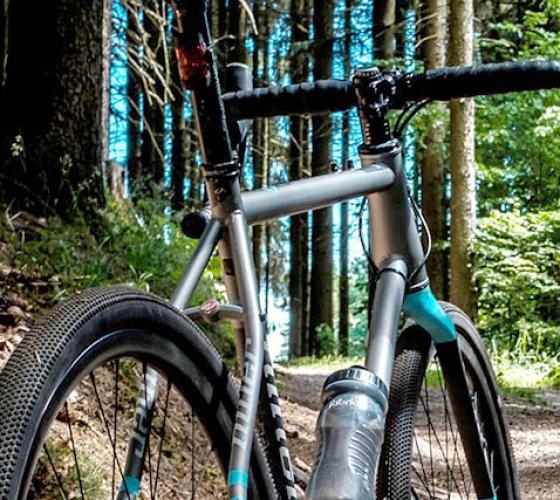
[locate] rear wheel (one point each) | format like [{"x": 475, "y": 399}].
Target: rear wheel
[
  {"x": 423, "y": 456},
  {"x": 68, "y": 399}
]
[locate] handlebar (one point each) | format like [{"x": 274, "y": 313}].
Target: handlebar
[
  {"x": 309, "y": 97},
  {"x": 438, "y": 85}
]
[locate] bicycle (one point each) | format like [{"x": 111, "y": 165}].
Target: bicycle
[{"x": 117, "y": 346}]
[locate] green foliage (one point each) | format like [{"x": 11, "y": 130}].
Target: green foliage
[
  {"x": 137, "y": 245},
  {"x": 519, "y": 281},
  {"x": 517, "y": 144},
  {"x": 326, "y": 340},
  {"x": 358, "y": 304},
  {"x": 553, "y": 377},
  {"x": 91, "y": 472}
]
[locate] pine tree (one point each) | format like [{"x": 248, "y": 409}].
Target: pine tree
[
  {"x": 260, "y": 127},
  {"x": 299, "y": 230},
  {"x": 433, "y": 182},
  {"x": 463, "y": 176},
  {"x": 384, "y": 18},
  {"x": 179, "y": 147},
  {"x": 3, "y": 41},
  {"x": 321, "y": 295},
  {"x": 343, "y": 320},
  {"x": 51, "y": 129},
  {"x": 153, "y": 120},
  {"x": 134, "y": 43}
]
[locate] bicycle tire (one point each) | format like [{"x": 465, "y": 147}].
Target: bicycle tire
[
  {"x": 87, "y": 330},
  {"x": 405, "y": 442}
]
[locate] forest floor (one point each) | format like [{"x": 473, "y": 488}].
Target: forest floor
[
  {"x": 535, "y": 429},
  {"x": 535, "y": 423}
]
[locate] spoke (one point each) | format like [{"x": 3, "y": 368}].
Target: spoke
[
  {"x": 429, "y": 429},
  {"x": 446, "y": 418},
  {"x": 448, "y": 421},
  {"x": 56, "y": 475},
  {"x": 439, "y": 444},
  {"x": 77, "y": 466},
  {"x": 204, "y": 466},
  {"x": 117, "y": 365},
  {"x": 149, "y": 429},
  {"x": 162, "y": 435},
  {"x": 425, "y": 482},
  {"x": 193, "y": 492},
  {"x": 474, "y": 399},
  {"x": 457, "y": 454},
  {"x": 106, "y": 424},
  {"x": 422, "y": 479}
]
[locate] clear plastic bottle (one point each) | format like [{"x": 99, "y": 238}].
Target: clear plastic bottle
[{"x": 350, "y": 434}]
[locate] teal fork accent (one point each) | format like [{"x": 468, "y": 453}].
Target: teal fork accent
[{"x": 425, "y": 310}]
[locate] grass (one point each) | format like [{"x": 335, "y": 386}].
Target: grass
[
  {"x": 524, "y": 380},
  {"x": 135, "y": 245},
  {"x": 61, "y": 454},
  {"x": 330, "y": 362},
  {"x": 138, "y": 245}
]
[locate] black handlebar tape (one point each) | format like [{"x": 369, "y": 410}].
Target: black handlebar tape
[
  {"x": 448, "y": 83},
  {"x": 327, "y": 96},
  {"x": 322, "y": 96}
]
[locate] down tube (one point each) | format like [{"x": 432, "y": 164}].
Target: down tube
[{"x": 147, "y": 397}]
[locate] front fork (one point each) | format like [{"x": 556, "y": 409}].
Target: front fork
[{"x": 351, "y": 424}]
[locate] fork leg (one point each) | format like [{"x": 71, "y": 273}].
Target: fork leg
[{"x": 387, "y": 307}]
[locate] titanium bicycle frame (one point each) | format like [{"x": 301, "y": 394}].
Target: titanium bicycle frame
[{"x": 402, "y": 283}]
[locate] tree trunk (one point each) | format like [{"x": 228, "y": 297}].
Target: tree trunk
[
  {"x": 153, "y": 131},
  {"x": 260, "y": 131},
  {"x": 51, "y": 119},
  {"x": 343, "y": 319},
  {"x": 222, "y": 17},
  {"x": 4, "y": 7},
  {"x": 463, "y": 175},
  {"x": 321, "y": 296},
  {"x": 179, "y": 146},
  {"x": 135, "y": 171},
  {"x": 384, "y": 46},
  {"x": 299, "y": 230},
  {"x": 433, "y": 183},
  {"x": 195, "y": 198},
  {"x": 237, "y": 24},
  {"x": 260, "y": 170},
  {"x": 106, "y": 90},
  {"x": 384, "y": 17}
]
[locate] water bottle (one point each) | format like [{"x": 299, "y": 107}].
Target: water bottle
[{"x": 350, "y": 434}]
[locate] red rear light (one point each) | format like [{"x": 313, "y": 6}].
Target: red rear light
[{"x": 193, "y": 67}]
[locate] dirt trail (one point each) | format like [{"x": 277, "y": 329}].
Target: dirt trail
[{"x": 535, "y": 430}]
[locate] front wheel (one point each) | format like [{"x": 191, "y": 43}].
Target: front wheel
[
  {"x": 422, "y": 455},
  {"x": 69, "y": 404}
]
